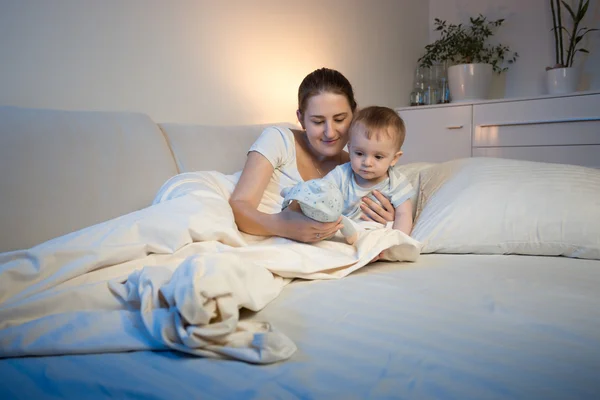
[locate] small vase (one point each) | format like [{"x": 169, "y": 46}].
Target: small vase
[
  {"x": 469, "y": 81},
  {"x": 562, "y": 80}
]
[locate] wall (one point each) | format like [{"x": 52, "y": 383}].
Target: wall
[
  {"x": 527, "y": 30},
  {"x": 204, "y": 61}
]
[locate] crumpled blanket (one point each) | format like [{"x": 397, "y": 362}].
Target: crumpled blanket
[{"x": 171, "y": 276}]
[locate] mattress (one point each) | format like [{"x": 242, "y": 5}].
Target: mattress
[{"x": 447, "y": 326}]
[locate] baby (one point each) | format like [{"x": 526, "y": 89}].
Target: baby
[{"x": 376, "y": 138}]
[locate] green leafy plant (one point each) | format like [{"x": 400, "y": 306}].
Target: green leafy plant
[
  {"x": 574, "y": 37},
  {"x": 460, "y": 44}
]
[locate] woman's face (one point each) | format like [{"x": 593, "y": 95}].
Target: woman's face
[{"x": 326, "y": 121}]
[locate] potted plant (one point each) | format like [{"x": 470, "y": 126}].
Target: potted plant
[
  {"x": 563, "y": 77},
  {"x": 473, "y": 60}
]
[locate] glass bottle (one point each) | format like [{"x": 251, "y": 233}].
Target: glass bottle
[
  {"x": 417, "y": 96},
  {"x": 441, "y": 77},
  {"x": 431, "y": 86}
]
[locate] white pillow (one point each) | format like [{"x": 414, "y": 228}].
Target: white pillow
[
  {"x": 413, "y": 174},
  {"x": 500, "y": 206}
]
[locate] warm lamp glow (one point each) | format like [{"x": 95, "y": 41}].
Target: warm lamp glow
[
  {"x": 486, "y": 134},
  {"x": 265, "y": 74}
]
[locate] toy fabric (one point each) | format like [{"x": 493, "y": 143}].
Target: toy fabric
[{"x": 322, "y": 201}]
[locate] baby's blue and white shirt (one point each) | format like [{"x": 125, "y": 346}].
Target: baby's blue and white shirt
[{"x": 396, "y": 187}]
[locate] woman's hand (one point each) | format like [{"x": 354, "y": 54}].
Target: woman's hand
[
  {"x": 303, "y": 229},
  {"x": 372, "y": 211}
]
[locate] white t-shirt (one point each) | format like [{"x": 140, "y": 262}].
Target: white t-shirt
[
  {"x": 395, "y": 187},
  {"x": 278, "y": 145}
]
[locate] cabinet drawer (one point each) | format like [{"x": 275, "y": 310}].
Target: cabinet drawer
[
  {"x": 437, "y": 134},
  {"x": 542, "y": 122},
  {"x": 587, "y": 156},
  {"x": 540, "y": 134}
]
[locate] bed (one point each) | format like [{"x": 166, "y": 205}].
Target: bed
[
  {"x": 502, "y": 302},
  {"x": 447, "y": 326}
]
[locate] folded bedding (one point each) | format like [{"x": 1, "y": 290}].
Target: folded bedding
[{"x": 173, "y": 275}]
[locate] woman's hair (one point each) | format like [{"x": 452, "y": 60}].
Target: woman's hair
[
  {"x": 377, "y": 121},
  {"x": 321, "y": 81}
]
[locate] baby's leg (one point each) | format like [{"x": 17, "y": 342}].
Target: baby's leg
[{"x": 349, "y": 230}]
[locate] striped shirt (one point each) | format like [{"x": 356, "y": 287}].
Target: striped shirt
[{"x": 395, "y": 187}]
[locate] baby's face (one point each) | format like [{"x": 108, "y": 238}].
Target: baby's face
[{"x": 371, "y": 158}]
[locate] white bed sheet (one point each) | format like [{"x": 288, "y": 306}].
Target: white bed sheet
[
  {"x": 173, "y": 275},
  {"x": 447, "y": 326}
]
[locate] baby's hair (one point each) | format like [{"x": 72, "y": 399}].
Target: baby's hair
[
  {"x": 376, "y": 120},
  {"x": 321, "y": 81}
]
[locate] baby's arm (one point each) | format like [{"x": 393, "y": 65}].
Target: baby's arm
[{"x": 403, "y": 220}]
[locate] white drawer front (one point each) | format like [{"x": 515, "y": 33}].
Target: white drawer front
[
  {"x": 571, "y": 120},
  {"x": 436, "y": 134},
  {"x": 588, "y": 156},
  {"x": 545, "y": 134},
  {"x": 538, "y": 111}
]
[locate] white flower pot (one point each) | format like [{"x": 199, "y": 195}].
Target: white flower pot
[
  {"x": 562, "y": 80},
  {"x": 469, "y": 81}
]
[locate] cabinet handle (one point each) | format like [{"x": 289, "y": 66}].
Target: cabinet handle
[{"x": 454, "y": 127}]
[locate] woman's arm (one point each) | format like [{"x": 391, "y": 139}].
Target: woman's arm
[
  {"x": 247, "y": 194},
  {"x": 289, "y": 224}
]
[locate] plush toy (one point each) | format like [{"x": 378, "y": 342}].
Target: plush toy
[{"x": 322, "y": 201}]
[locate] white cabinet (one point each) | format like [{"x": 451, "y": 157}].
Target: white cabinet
[
  {"x": 436, "y": 134},
  {"x": 562, "y": 130},
  {"x": 586, "y": 155},
  {"x": 548, "y": 129}
]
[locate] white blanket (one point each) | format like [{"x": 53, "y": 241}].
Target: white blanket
[{"x": 170, "y": 276}]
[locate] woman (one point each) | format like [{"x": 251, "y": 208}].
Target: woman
[{"x": 282, "y": 157}]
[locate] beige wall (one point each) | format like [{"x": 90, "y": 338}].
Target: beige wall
[{"x": 204, "y": 61}]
